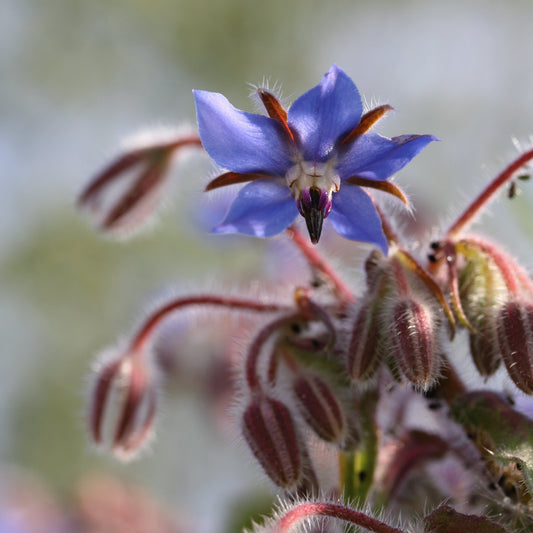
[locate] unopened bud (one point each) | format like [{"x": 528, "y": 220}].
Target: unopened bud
[
  {"x": 319, "y": 407},
  {"x": 482, "y": 291},
  {"x": 413, "y": 342},
  {"x": 485, "y": 348},
  {"x": 363, "y": 357},
  {"x": 515, "y": 334},
  {"x": 269, "y": 430},
  {"x": 121, "y": 197},
  {"x": 123, "y": 405}
]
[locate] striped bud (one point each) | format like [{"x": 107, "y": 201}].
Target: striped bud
[
  {"x": 413, "y": 343},
  {"x": 515, "y": 334},
  {"x": 363, "y": 357},
  {"x": 482, "y": 293},
  {"x": 269, "y": 430},
  {"x": 319, "y": 407},
  {"x": 485, "y": 348},
  {"x": 123, "y": 405},
  {"x": 125, "y": 193}
]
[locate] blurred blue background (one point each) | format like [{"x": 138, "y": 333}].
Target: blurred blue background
[{"x": 77, "y": 76}]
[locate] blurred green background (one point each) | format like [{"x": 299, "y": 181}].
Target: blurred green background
[{"x": 77, "y": 76}]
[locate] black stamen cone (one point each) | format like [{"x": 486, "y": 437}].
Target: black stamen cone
[{"x": 313, "y": 215}]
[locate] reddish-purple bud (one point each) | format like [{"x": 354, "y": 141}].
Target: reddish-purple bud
[
  {"x": 363, "y": 357},
  {"x": 123, "y": 405},
  {"x": 485, "y": 348},
  {"x": 413, "y": 341},
  {"x": 269, "y": 430},
  {"x": 515, "y": 334},
  {"x": 319, "y": 407},
  {"x": 122, "y": 196}
]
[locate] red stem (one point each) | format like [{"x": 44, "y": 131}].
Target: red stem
[
  {"x": 145, "y": 331},
  {"x": 316, "y": 260},
  {"x": 473, "y": 209},
  {"x": 333, "y": 510}
]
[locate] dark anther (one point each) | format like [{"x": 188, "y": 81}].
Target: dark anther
[
  {"x": 362, "y": 476},
  {"x": 432, "y": 258},
  {"x": 511, "y": 192},
  {"x": 434, "y": 405},
  {"x": 296, "y": 328},
  {"x": 523, "y": 177},
  {"x": 435, "y": 245}
]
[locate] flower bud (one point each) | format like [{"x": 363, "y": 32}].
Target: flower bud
[
  {"x": 121, "y": 197},
  {"x": 413, "y": 342},
  {"x": 363, "y": 357},
  {"x": 269, "y": 430},
  {"x": 515, "y": 334},
  {"x": 123, "y": 405},
  {"x": 319, "y": 407},
  {"x": 482, "y": 291},
  {"x": 485, "y": 348}
]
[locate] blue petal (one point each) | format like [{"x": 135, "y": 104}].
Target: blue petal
[
  {"x": 354, "y": 216},
  {"x": 239, "y": 141},
  {"x": 325, "y": 113},
  {"x": 378, "y": 158},
  {"x": 262, "y": 208}
]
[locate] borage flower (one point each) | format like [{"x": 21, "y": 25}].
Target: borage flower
[{"x": 313, "y": 159}]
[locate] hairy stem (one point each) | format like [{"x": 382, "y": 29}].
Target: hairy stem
[
  {"x": 462, "y": 223},
  {"x": 318, "y": 262},
  {"x": 154, "y": 319},
  {"x": 317, "y": 509}
]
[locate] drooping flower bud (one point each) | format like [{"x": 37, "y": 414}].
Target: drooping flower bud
[
  {"x": 485, "y": 348},
  {"x": 269, "y": 430},
  {"x": 363, "y": 355},
  {"x": 125, "y": 193},
  {"x": 412, "y": 329},
  {"x": 482, "y": 291},
  {"x": 515, "y": 334},
  {"x": 319, "y": 407},
  {"x": 123, "y": 404}
]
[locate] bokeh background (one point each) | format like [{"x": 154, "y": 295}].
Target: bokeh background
[{"x": 77, "y": 76}]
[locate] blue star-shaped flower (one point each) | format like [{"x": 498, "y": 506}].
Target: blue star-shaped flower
[{"x": 313, "y": 159}]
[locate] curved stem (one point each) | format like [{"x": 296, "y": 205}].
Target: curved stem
[
  {"x": 252, "y": 379},
  {"x": 317, "y": 261},
  {"x": 154, "y": 319},
  {"x": 316, "y": 509},
  {"x": 481, "y": 201},
  {"x": 129, "y": 159}
]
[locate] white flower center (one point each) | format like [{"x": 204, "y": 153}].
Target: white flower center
[{"x": 307, "y": 174}]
